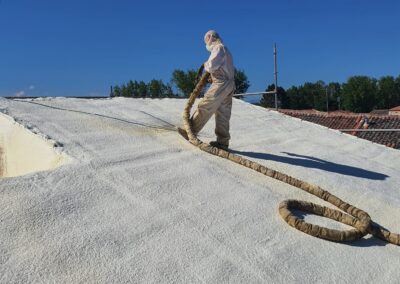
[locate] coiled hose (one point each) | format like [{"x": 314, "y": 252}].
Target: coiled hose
[{"x": 350, "y": 215}]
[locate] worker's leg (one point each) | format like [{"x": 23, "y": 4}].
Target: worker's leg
[
  {"x": 208, "y": 106},
  {"x": 222, "y": 117}
]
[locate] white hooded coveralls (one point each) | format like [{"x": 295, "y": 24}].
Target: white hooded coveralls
[{"x": 218, "y": 98}]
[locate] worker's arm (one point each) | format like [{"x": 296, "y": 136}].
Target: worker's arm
[{"x": 216, "y": 59}]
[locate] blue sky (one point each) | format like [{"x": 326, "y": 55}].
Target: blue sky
[{"x": 80, "y": 48}]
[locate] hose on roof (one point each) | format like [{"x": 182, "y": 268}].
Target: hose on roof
[{"x": 348, "y": 214}]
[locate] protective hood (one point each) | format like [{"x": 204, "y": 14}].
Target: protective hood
[{"x": 212, "y": 38}]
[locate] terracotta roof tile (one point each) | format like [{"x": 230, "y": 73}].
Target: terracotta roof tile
[
  {"x": 391, "y": 139},
  {"x": 343, "y": 120},
  {"x": 380, "y": 112}
]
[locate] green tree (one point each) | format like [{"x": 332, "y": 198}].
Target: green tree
[
  {"x": 156, "y": 88},
  {"x": 124, "y": 91},
  {"x": 142, "y": 89},
  {"x": 168, "y": 92},
  {"x": 117, "y": 91},
  {"x": 359, "y": 94},
  {"x": 388, "y": 92},
  {"x": 268, "y": 100},
  {"x": 334, "y": 92},
  {"x": 241, "y": 82},
  {"x": 132, "y": 88},
  {"x": 296, "y": 98},
  {"x": 397, "y": 97},
  {"x": 314, "y": 95},
  {"x": 185, "y": 82},
  {"x": 309, "y": 95}
]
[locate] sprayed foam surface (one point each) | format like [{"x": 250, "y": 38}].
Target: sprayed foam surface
[{"x": 140, "y": 204}]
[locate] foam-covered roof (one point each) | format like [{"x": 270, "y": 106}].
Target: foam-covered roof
[{"x": 140, "y": 204}]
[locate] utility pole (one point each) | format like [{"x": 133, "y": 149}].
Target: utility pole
[
  {"x": 276, "y": 79},
  {"x": 111, "y": 92}
]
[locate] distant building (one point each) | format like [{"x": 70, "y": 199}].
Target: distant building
[{"x": 394, "y": 111}]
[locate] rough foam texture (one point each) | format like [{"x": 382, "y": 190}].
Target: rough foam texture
[
  {"x": 140, "y": 204},
  {"x": 349, "y": 215}
]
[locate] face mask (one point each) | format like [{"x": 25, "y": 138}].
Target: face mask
[{"x": 209, "y": 47}]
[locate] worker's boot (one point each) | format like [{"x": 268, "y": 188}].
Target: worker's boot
[{"x": 219, "y": 145}]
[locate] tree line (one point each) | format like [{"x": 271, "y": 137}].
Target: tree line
[
  {"x": 358, "y": 94},
  {"x": 181, "y": 84}
]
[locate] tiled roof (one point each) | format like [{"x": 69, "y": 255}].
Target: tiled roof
[
  {"x": 391, "y": 139},
  {"x": 336, "y": 120},
  {"x": 380, "y": 112},
  {"x": 342, "y": 120}
]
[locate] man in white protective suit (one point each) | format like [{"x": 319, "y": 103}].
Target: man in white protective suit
[{"x": 218, "y": 98}]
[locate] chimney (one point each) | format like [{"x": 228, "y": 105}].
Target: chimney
[{"x": 365, "y": 123}]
